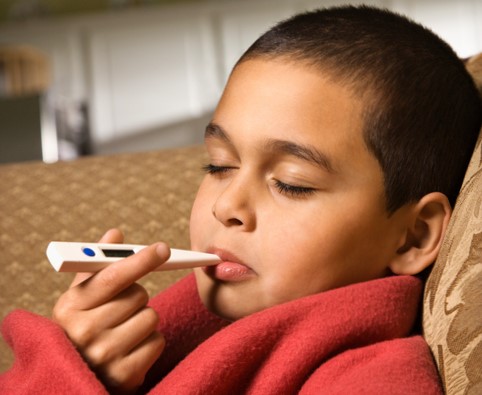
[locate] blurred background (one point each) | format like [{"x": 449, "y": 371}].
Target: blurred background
[{"x": 107, "y": 76}]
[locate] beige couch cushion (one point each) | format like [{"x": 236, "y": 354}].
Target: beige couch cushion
[
  {"x": 452, "y": 317},
  {"x": 147, "y": 195}
]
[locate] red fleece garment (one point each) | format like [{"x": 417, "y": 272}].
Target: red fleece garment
[{"x": 351, "y": 340}]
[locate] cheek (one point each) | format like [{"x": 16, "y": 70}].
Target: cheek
[
  {"x": 200, "y": 216},
  {"x": 292, "y": 247},
  {"x": 322, "y": 241},
  {"x": 302, "y": 233}
]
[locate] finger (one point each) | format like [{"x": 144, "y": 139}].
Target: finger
[
  {"x": 118, "y": 342},
  {"x": 110, "y": 281},
  {"x": 144, "y": 356},
  {"x": 129, "y": 372},
  {"x": 83, "y": 327},
  {"x": 111, "y": 236},
  {"x": 118, "y": 310}
]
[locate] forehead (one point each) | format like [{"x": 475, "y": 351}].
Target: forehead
[{"x": 286, "y": 100}]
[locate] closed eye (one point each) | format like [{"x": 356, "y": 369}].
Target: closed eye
[
  {"x": 213, "y": 169},
  {"x": 283, "y": 188},
  {"x": 293, "y": 190}
]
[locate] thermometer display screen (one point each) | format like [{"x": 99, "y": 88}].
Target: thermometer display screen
[{"x": 111, "y": 253}]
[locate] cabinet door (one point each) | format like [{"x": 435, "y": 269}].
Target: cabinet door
[
  {"x": 457, "y": 22},
  {"x": 149, "y": 73},
  {"x": 240, "y": 26}
]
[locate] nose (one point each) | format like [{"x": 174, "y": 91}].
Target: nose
[{"x": 234, "y": 207}]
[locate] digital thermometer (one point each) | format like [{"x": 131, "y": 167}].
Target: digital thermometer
[{"x": 92, "y": 257}]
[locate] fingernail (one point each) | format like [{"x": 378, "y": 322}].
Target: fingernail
[{"x": 163, "y": 250}]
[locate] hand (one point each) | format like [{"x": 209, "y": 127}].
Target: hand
[{"x": 106, "y": 316}]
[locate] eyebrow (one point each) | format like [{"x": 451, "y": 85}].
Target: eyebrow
[
  {"x": 307, "y": 153},
  {"x": 304, "y": 152},
  {"x": 213, "y": 130}
]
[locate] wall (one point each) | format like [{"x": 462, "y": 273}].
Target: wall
[{"x": 142, "y": 70}]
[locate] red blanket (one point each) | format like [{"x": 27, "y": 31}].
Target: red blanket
[{"x": 351, "y": 340}]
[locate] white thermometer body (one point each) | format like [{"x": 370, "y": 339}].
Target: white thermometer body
[{"x": 92, "y": 257}]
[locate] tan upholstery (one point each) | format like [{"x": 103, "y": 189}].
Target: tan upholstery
[
  {"x": 147, "y": 195},
  {"x": 453, "y": 296},
  {"x": 452, "y": 316}
]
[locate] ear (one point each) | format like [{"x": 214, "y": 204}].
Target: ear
[{"x": 428, "y": 221}]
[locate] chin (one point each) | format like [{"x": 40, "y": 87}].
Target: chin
[{"x": 219, "y": 298}]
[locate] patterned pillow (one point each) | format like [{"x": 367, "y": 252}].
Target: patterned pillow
[{"x": 452, "y": 317}]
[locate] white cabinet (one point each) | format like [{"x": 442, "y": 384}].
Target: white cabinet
[
  {"x": 148, "y": 67},
  {"x": 240, "y": 26},
  {"x": 150, "y": 73},
  {"x": 457, "y": 22}
]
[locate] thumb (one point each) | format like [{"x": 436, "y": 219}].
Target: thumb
[{"x": 111, "y": 236}]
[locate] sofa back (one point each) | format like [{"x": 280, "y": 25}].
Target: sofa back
[
  {"x": 147, "y": 195},
  {"x": 452, "y": 315}
]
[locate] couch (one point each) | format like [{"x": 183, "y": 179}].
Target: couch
[{"x": 148, "y": 196}]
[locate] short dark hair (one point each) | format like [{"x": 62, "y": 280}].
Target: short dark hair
[{"x": 422, "y": 111}]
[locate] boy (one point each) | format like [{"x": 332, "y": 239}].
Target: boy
[{"x": 336, "y": 152}]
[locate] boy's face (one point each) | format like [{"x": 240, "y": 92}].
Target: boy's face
[{"x": 293, "y": 201}]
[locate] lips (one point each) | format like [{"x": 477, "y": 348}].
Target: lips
[{"x": 231, "y": 269}]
